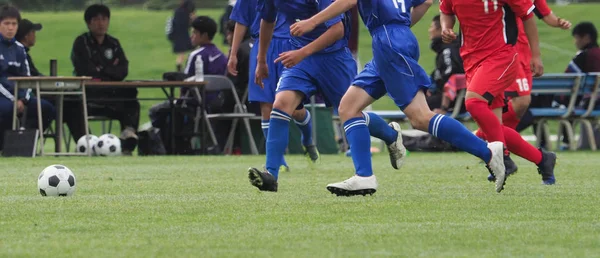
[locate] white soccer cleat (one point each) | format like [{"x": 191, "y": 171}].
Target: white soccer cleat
[
  {"x": 496, "y": 165},
  {"x": 397, "y": 150},
  {"x": 355, "y": 185}
]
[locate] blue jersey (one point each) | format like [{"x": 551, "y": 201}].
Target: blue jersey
[
  {"x": 245, "y": 12},
  {"x": 13, "y": 63},
  {"x": 376, "y": 13},
  {"x": 296, "y": 10}
]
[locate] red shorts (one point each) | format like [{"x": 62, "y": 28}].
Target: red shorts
[
  {"x": 523, "y": 82},
  {"x": 493, "y": 76}
]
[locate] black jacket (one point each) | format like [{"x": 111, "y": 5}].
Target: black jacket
[
  {"x": 32, "y": 69},
  {"x": 586, "y": 60},
  {"x": 447, "y": 62},
  {"x": 106, "y": 62}
]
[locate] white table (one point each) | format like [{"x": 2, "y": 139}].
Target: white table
[{"x": 58, "y": 86}]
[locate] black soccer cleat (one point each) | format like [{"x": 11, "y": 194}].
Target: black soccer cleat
[
  {"x": 511, "y": 168},
  {"x": 264, "y": 181},
  {"x": 546, "y": 167},
  {"x": 312, "y": 153}
]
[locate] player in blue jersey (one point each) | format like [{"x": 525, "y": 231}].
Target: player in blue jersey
[
  {"x": 320, "y": 61},
  {"x": 395, "y": 70},
  {"x": 245, "y": 16}
]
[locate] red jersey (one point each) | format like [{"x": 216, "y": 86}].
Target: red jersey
[
  {"x": 541, "y": 10},
  {"x": 486, "y": 26}
]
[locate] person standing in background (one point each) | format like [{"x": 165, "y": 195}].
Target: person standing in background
[
  {"x": 179, "y": 35},
  {"x": 225, "y": 19}
]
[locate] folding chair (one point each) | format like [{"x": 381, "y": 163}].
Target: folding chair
[{"x": 217, "y": 83}]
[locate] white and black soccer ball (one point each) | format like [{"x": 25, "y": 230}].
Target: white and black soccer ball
[
  {"x": 108, "y": 145},
  {"x": 56, "y": 180},
  {"x": 82, "y": 144}
]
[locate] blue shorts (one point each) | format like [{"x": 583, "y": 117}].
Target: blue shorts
[
  {"x": 329, "y": 74},
  {"x": 267, "y": 95},
  {"x": 394, "y": 69}
]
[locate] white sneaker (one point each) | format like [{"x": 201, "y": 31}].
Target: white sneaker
[
  {"x": 355, "y": 185},
  {"x": 496, "y": 165},
  {"x": 397, "y": 150}
]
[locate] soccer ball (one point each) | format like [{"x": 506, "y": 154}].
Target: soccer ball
[
  {"x": 108, "y": 145},
  {"x": 82, "y": 145},
  {"x": 56, "y": 180}
]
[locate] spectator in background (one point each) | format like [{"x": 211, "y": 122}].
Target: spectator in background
[
  {"x": 225, "y": 20},
  {"x": 447, "y": 63},
  {"x": 587, "y": 59},
  {"x": 26, "y": 36},
  {"x": 99, "y": 55},
  {"x": 180, "y": 31},
  {"x": 14, "y": 63},
  {"x": 214, "y": 62}
]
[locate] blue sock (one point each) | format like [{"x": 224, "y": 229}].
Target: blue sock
[
  {"x": 453, "y": 132},
  {"x": 380, "y": 129},
  {"x": 265, "y": 129},
  {"x": 277, "y": 140},
  {"x": 359, "y": 139},
  {"x": 306, "y": 129}
]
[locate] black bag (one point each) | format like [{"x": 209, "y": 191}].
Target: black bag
[{"x": 150, "y": 143}]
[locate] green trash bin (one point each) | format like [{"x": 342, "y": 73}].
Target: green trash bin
[{"x": 325, "y": 136}]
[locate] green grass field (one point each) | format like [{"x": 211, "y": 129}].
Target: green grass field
[
  {"x": 142, "y": 35},
  {"x": 438, "y": 205}
]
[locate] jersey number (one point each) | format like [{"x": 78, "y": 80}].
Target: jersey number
[
  {"x": 400, "y": 4},
  {"x": 486, "y": 6},
  {"x": 523, "y": 84}
]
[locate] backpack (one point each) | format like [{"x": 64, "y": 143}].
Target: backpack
[{"x": 169, "y": 28}]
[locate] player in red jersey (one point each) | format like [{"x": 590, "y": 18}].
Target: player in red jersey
[
  {"x": 489, "y": 34},
  {"x": 519, "y": 94}
]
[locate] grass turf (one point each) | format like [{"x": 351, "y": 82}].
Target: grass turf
[
  {"x": 142, "y": 35},
  {"x": 437, "y": 205}
]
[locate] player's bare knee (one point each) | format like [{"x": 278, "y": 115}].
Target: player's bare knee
[
  {"x": 287, "y": 101},
  {"x": 299, "y": 115},
  {"x": 520, "y": 104},
  {"x": 265, "y": 110},
  {"x": 347, "y": 111}
]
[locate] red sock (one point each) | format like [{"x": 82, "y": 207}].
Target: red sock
[
  {"x": 517, "y": 145},
  {"x": 485, "y": 118},
  {"x": 510, "y": 118}
]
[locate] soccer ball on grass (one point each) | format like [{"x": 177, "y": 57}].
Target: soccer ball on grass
[{"x": 56, "y": 180}]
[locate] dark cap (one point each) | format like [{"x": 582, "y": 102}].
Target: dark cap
[{"x": 26, "y": 26}]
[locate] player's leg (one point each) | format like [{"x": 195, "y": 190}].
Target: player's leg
[
  {"x": 294, "y": 86},
  {"x": 368, "y": 85},
  {"x": 520, "y": 98},
  {"x": 276, "y": 47},
  {"x": 406, "y": 81},
  {"x": 277, "y": 140},
  {"x": 303, "y": 119},
  {"x": 265, "y": 112}
]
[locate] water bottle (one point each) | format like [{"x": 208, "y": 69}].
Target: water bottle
[{"x": 199, "y": 69}]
